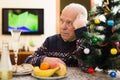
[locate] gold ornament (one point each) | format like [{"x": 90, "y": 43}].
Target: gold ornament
[
  {"x": 91, "y": 27},
  {"x": 106, "y": 10},
  {"x": 97, "y": 21},
  {"x": 113, "y": 51}
]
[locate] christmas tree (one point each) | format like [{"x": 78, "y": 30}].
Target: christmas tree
[{"x": 101, "y": 44}]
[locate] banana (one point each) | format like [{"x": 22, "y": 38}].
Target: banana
[
  {"x": 44, "y": 73},
  {"x": 62, "y": 71}
]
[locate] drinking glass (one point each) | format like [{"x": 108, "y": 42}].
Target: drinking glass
[{"x": 15, "y": 43}]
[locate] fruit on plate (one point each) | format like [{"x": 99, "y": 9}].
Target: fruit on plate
[
  {"x": 36, "y": 70},
  {"x": 52, "y": 66},
  {"x": 44, "y": 66},
  {"x": 62, "y": 71},
  {"x": 44, "y": 73}
]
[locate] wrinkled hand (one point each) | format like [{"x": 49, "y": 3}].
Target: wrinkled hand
[
  {"x": 79, "y": 22},
  {"x": 53, "y": 60}
]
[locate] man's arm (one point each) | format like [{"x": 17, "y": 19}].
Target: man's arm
[{"x": 36, "y": 58}]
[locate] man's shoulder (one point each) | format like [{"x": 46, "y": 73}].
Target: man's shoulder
[{"x": 54, "y": 37}]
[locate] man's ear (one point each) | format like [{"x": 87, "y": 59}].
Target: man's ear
[{"x": 80, "y": 21}]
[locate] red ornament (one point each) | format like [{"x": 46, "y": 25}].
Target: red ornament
[
  {"x": 117, "y": 44},
  {"x": 90, "y": 70}
]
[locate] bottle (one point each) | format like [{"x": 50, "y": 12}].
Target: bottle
[{"x": 6, "y": 65}]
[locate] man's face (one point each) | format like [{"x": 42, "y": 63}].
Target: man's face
[{"x": 66, "y": 25}]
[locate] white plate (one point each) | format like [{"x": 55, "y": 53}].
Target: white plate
[
  {"x": 24, "y": 73},
  {"x": 22, "y": 69},
  {"x": 49, "y": 78}
]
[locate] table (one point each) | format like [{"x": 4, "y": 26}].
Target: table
[{"x": 74, "y": 73}]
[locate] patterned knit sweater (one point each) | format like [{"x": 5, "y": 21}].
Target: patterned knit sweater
[{"x": 54, "y": 46}]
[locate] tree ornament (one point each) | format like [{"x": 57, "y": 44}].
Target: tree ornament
[
  {"x": 113, "y": 29},
  {"x": 97, "y": 69},
  {"x": 90, "y": 70},
  {"x": 115, "y": 10},
  {"x": 110, "y": 23},
  {"x": 113, "y": 74},
  {"x": 86, "y": 50},
  {"x": 95, "y": 40},
  {"x": 102, "y": 18},
  {"x": 97, "y": 21},
  {"x": 117, "y": 43},
  {"x": 100, "y": 28},
  {"x": 101, "y": 36},
  {"x": 113, "y": 51},
  {"x": 117, "y": 47},
  {"x": 91, "y": 27},
  {"x": 106, "y": 8}
]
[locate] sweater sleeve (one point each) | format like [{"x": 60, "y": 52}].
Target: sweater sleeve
[
  {"x": 36, "y": 58},
  {"x": 79, "y": 50},
  {"x": 79, "y": 32}
]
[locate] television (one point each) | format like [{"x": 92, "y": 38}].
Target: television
[{"x": 29, "y": 20}]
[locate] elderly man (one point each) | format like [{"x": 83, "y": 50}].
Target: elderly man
[{"x": 61, "y": 47}]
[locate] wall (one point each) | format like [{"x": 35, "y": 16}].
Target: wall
[{"x": 49, "y": 20}]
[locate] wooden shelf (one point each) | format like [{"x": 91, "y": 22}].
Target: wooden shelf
[
  {"x": 23, "y": 52},
  {"x": 21, "y": 56}
]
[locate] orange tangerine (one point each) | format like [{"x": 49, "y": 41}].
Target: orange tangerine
[{"x": 44, "y": 66}]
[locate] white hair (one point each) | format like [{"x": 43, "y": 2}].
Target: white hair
[
  {"x": 81, "y": 18},
  {"x": 82, "y": 10}
]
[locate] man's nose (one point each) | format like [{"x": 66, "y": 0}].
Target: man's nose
[{"x": 64, "y": 25}]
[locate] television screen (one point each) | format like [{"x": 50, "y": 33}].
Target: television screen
[{"x": 29, "y": 21}]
